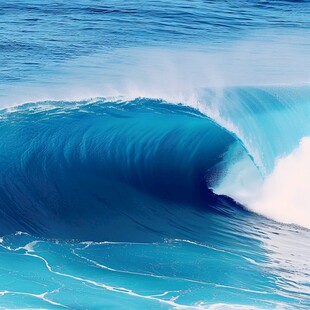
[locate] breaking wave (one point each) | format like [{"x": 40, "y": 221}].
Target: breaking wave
[{"x": 68, "y": 168}]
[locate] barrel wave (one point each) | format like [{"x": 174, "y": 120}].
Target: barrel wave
[{"x": 68, "y": 168}]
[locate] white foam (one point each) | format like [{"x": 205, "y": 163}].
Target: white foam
[{"x": 284, "y": 195}]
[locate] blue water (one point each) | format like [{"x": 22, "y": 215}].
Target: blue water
[{"x": 135, "y": 137}]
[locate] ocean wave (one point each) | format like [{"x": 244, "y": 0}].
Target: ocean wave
[{"x": 69, "y": 168}]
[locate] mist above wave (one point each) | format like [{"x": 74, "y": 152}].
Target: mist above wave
[{"x": 174, "y": 74}]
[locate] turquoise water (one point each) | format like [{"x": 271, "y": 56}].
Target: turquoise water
[{"x": 154, "y": 155}]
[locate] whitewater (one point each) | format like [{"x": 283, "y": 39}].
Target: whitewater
[{"x": 155, "y": 155}]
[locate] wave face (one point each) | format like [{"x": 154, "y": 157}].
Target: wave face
[{"x": 69, "y": 168}]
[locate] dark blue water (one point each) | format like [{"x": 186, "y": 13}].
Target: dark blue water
[{"x": 154, "y": 155}]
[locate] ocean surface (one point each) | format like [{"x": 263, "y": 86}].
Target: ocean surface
[{"x": 154, "y": 154}]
